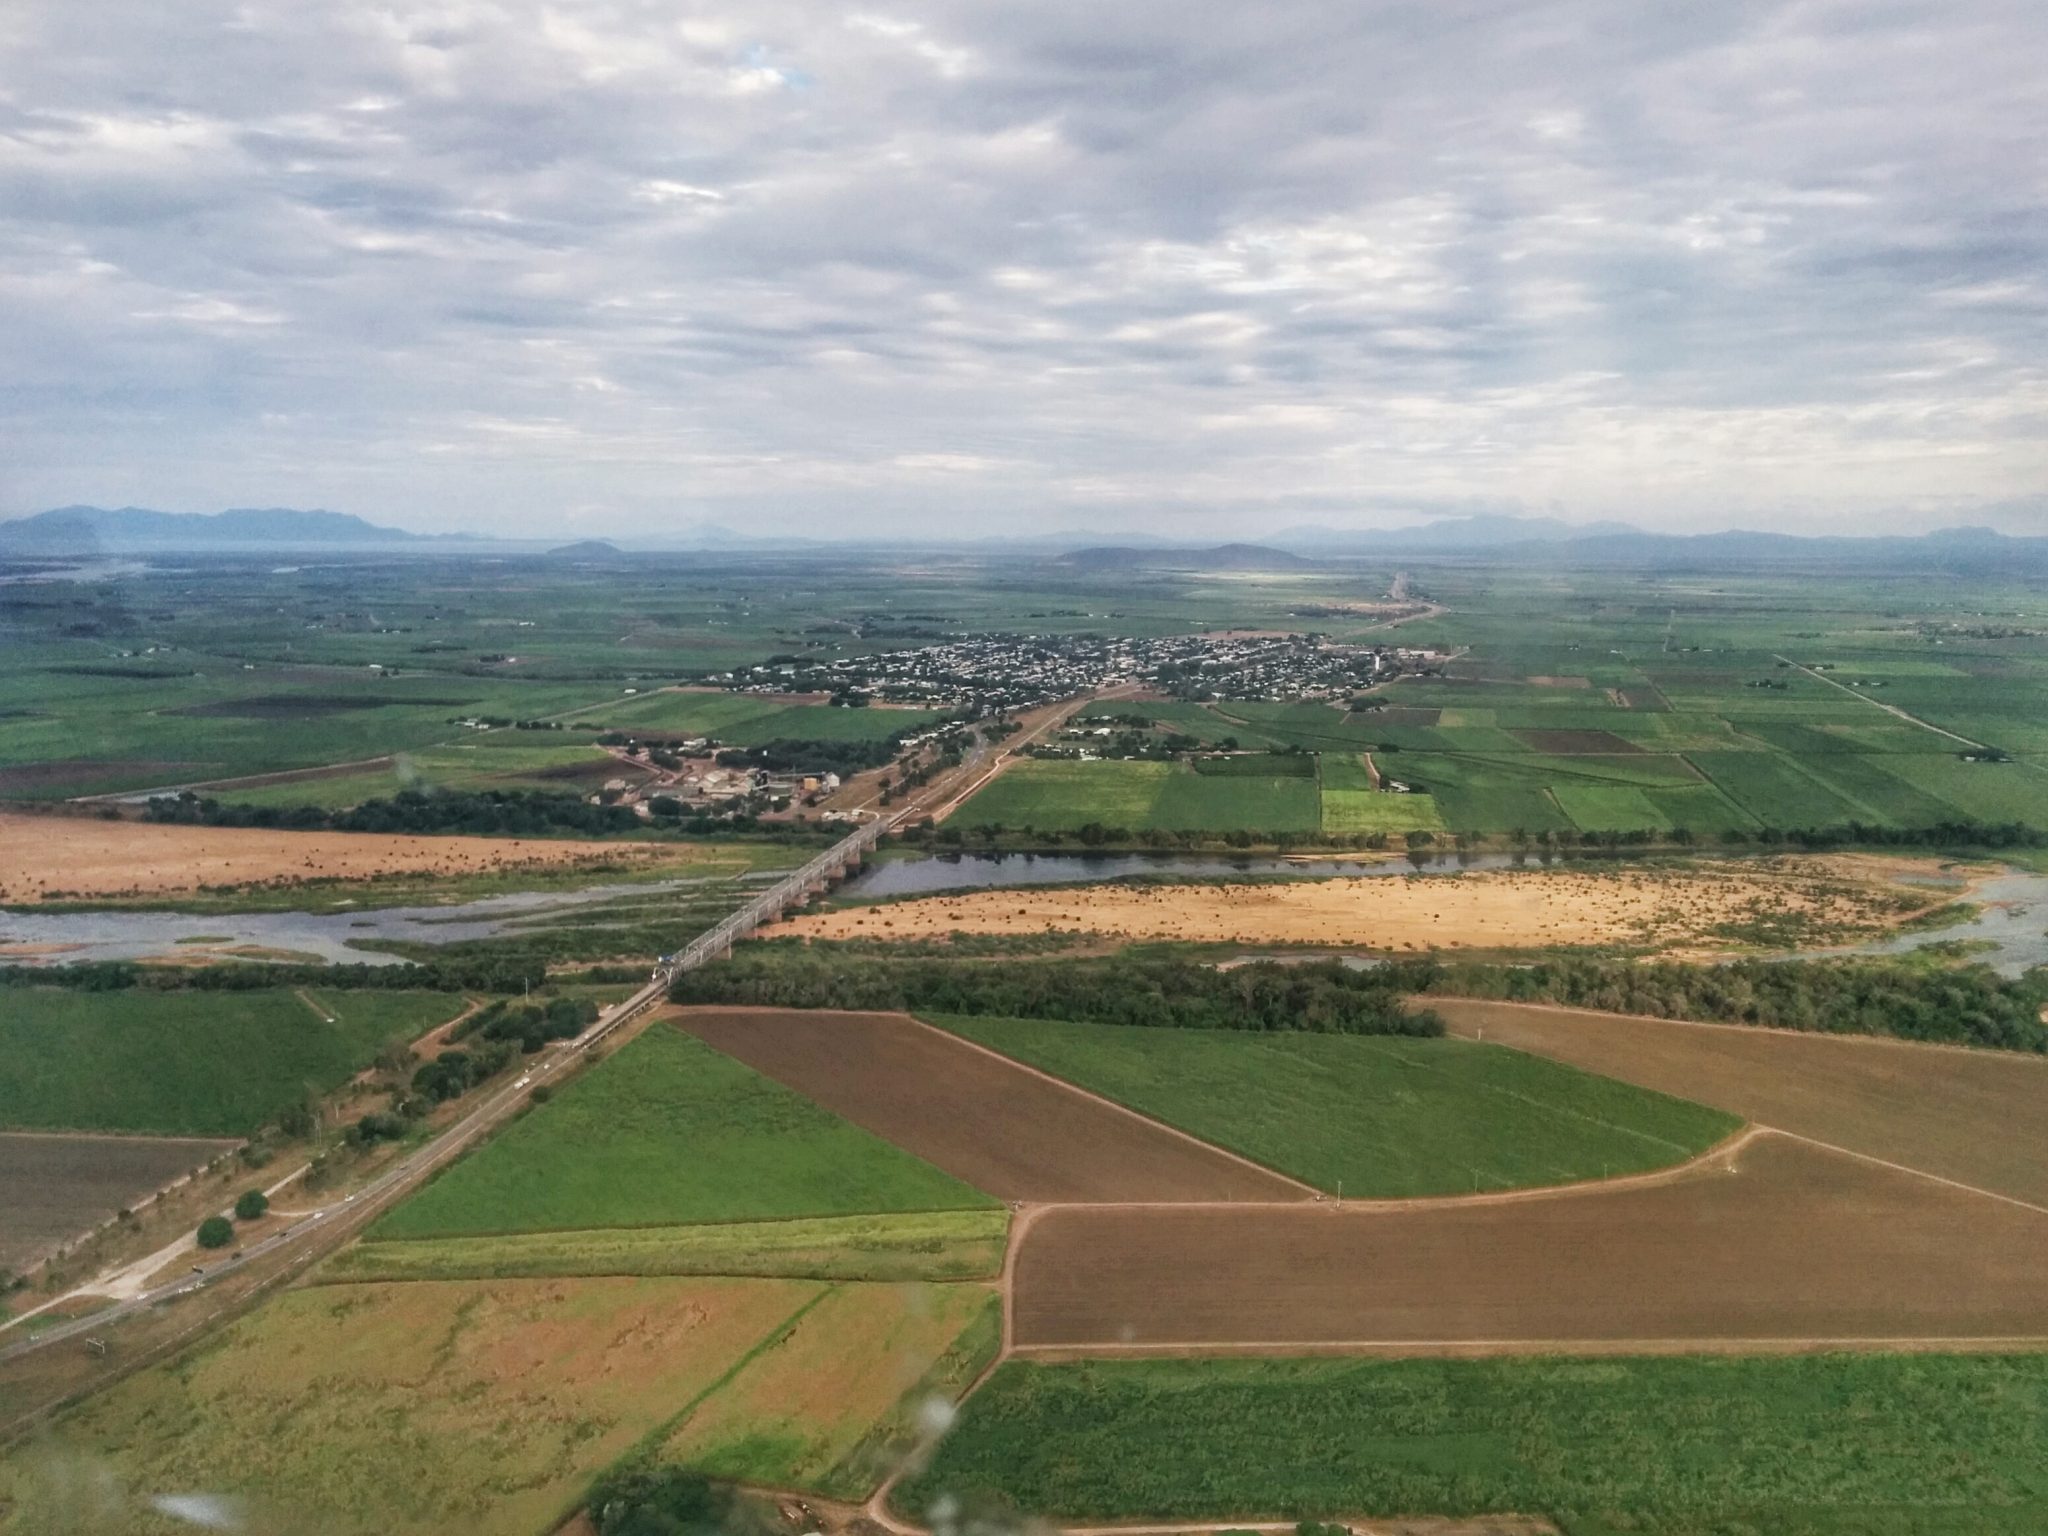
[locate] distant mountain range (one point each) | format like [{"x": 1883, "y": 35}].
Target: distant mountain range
[
  {"x": 69, "y": 532},
  {"x": 1222, "y": 557},
  {"x": 139, "y": 530}
]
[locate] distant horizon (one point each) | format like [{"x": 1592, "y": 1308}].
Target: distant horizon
[{"x": 1552, "y": 528}]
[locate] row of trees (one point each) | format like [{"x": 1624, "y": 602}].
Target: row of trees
[
  {"x": 530, "y": 1026},
  {"x": 1322, "y": 996},
  {"x": 472, "y": 973},
  {"x": 1969, "y": 1005}
]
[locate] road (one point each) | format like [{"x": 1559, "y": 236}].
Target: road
[
  {"x": 1890, "y": 709},
  {"x": 334, "y": 1222}
]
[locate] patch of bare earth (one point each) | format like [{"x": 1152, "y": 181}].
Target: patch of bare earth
[
  {"x": 54, "y": 1187},
  {"x": 66, "y": 858},
  {"x": 1502, "y": 909},
  {"x": 1776, "y": 1243},
  {"x": 1978, "y": 1117},
  {"x": 1000, "y": 1126}
]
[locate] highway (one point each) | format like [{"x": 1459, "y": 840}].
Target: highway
[{"x": 354, "y": 1210}]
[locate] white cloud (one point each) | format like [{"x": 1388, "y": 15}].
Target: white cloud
[{"x": 446, "y": 261}]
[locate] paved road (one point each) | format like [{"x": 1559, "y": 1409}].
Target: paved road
[{"x": 336, "y": 1220}]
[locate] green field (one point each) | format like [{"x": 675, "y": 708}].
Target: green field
[
  {"x": 1374, "y": 1117},
  {"x": 189, "y": 1063},
  {"x": 667, "y": 1131},
  {"x": 748, "y": 720},
  {"x": 1818, "y": 1445},
  {"x": 1049, "y": 795},
  {"x": 920, "y": 1245}
]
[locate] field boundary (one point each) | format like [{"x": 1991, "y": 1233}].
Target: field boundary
[{"x": 1124, "y": 1109}]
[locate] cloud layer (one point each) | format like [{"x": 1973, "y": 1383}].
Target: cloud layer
[{"x": 619, "y": 266}]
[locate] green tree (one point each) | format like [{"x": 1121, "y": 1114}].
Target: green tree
[
  {"x": 216, "y": 1232},
  {"x": 251, "y": 1204}
]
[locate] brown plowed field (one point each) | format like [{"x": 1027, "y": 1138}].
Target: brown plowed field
[
  {"x": 1000, "y": 1126},
  {"x": 1796, "y": 1245},
  {"x": 1978, "y": 1117},
  {"x": 57, "y": 1187}
]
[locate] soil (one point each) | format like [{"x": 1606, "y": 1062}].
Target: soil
[
  {"x": 998, "y": 1125},
  {"x": 1775, "y": 1243},
  {"x": 57, "y": 1187},
  {"x": 47, "y": 858},
  {"x": 1503, "y": 909},
  {"x": 1978, "y": 1117}
]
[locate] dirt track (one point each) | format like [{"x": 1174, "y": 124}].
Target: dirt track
[
  {"x": 1478, "y": 910},
  {"x": 1798, "y": 1244},
  {"x": 998, "y": 1125},
  {"x": 62, "y": 857},
  {"x": 1978, "y": 1117}
]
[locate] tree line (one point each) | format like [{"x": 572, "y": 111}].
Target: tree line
[
  {"x": 1967, "y": 1005},
  {"x": 484, "y": 973},
  {"x": 476, "y": 813},
  {"x": 1321, "y": 996}
]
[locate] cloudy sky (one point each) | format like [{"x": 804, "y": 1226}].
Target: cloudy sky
[{"x": 612, "y": 267}]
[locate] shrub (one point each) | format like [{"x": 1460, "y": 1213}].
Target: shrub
[
  {"x": 216, "y": 1232},
  {"x": 251, "y": 1204}
]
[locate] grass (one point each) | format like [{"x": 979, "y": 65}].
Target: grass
[
  {"x": 925, "y": 1245},
  {"x": 803, "y": 1410},
  {"x": 1370, "y": 810},
  {"x": 1051, "y": 795},
  {"x": 667, "y": 1131},
  {"x": 1377, "y": 1117},
  {"x": 189, "y": 1063},
  {"x": 403, "y": 1410},
  {"x": 1816, "y": 1445}
]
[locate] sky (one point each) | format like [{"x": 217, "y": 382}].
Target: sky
[{"x": 1010, "y": 266}]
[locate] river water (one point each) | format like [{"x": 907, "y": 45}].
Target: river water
[
  {"x": 2012, "y": 914},
  {"x": 68, "y": 937}
]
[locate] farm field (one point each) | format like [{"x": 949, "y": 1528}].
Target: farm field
[
  {"x": 416, "y": 1409},
  {"x": 49, "y": 858},
  {"x": 1003, "y": 1128},
  {"x": 1048, "y": 795},
  {"x": 1774, "y": 1242},
  {"x": 751, "y": 720},
  {"x": 797, "y": 1413},
  {"x": 1370, "y": 1117},
  {"x": 1708, "y": 904},
  {"x": 923, "y": 1245},
  {"x": 1930, "y": 1107},
  {"x": 666, "y": 1131},
  {"x": 189, "y": 1063},
  {"x": 1809, "y": 1445},
  {"x": 54, "y": 1187}
]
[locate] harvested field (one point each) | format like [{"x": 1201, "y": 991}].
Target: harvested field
[
  {"x": 45, "y": 858},
  {"x": 999, "y": 1126},
  {"x": 801, "y": 1405},
  {"x": 1773, "y": 1242},
  {"x": 1705, "y": 905},
  {"x": 53, "y": 1188},
  {"x": 28, "y": 778},
  {"x": 402, "y": 1410},
  {"x": 1978, "y": 1117}
]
